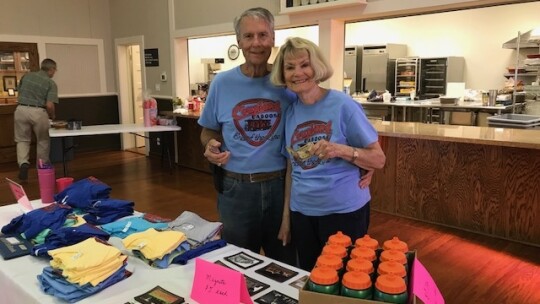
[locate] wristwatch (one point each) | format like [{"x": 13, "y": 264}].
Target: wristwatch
[{"x": 354, "y": 154}]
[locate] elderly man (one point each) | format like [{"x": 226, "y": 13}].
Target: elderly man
[
  {"x": 38, "y": 95},
  {"x": 242, "y": 134}
]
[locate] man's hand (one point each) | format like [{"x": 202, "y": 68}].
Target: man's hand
[
  {"x": 50, "y": 108},
  {"x": 214, "y": 155}
]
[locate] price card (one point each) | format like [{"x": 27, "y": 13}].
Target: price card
[
  {"x": 20, "y": 195},
  {"x": 214, "y": 283},
  {"x": 424, "y": 286}
]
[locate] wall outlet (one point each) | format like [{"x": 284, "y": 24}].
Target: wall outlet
[{"x": 163, "y": 76}]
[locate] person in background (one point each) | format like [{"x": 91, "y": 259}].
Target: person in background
[
  {"x": 242, "y": 137},
  {"x": 327, "y": 138},
  {"x": 38, "y": 95}
]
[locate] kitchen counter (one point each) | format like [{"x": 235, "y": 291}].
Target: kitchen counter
[
  {"x": 429, "y": 104},
  {"x": 479, "y": 179},
  {"x": 190, "y": 152}
]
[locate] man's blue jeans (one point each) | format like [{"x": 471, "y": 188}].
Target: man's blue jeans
[{"x": 251, "y": 215}]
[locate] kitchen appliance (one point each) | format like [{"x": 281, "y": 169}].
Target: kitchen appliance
[
  {"x": 436, "y": 73},
  {"x": 211, "y": 67},
  {"x": 372, "y": 66},
  {"x": 406, "y": 76},
  {"x": 352, "y": 67}
]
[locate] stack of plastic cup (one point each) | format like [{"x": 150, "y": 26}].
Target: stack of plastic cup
[{"x": 47, "y": 185}]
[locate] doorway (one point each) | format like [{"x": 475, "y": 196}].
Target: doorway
[
  {"x": 136, "y": 93},
  {"x": 131, "y": 81}
]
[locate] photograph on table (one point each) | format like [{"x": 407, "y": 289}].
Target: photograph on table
[
  {"x": 10, "y": 82},
  {"x": 243, "y": 260},
  {"x": 299, "y": 284},
  {"x": 222, "y": 264},
  {"x": 276, "y": 272},
  {"x": 276, "y": 297},
  {"x": 159, "y": 295},
  {"x": 14, "y": 246},
  {"x": 254, "y": 286}
]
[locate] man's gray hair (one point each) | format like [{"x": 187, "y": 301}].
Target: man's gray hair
[
  {"x": 257, "y": 13},
  {"x": 48, "y": 64}
]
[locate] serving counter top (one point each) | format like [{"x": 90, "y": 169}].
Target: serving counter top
[
  {"x": 190, "y": 114},
  {"x": 517, "y": 138},
  {"x": 506, "y": 137}
]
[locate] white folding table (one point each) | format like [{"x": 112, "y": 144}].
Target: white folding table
[
  {"x": 18, "y": 276},
  {"x": 113, "y": 129}
]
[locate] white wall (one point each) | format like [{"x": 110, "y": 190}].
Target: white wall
[
  {"x": 68, "y": 24},
  {"x": 149, "y": 19},
  {"x": 476, "y": 34},
  {"x": 216, "y": 47}
]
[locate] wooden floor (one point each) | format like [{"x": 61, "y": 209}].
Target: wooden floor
[{"x": 468, "y": 268}]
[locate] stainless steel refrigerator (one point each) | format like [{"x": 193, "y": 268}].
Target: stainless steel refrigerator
[{"x": 372, "y": 66}]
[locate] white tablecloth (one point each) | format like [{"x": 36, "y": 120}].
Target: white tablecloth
[{"x": 19, "y": 284}]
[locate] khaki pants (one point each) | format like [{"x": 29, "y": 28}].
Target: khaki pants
[{"x": 28, "y": 119}]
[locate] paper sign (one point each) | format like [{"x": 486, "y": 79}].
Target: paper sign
[
  {"x": 20, "y": 195},
  {"x": 423, "y": 285},
  {"x": 214, "y": 283},
  {"x": 455, "y": 89}
]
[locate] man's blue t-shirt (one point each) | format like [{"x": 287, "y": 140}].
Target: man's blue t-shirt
[{"x": 249, "y": 112}]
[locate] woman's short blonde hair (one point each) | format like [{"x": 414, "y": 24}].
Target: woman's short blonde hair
[{"x": 292, "y": 48}]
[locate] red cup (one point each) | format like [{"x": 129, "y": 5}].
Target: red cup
[{"x": 62, "y": 183}]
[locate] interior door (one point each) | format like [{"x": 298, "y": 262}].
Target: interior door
[{"x": 136, "y": 91}]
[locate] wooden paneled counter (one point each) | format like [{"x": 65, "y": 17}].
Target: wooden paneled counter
[
  {"x": 478, "y": 179},
  {"x": 190, "y": 152}
]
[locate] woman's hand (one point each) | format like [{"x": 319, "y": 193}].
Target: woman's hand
[
  {"x": 324, "y": 149},
  {"x": 285, "y": 232},
  {"x": 365, "y": 179}
]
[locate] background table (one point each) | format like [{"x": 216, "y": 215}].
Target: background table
[
  {"x": 114, "y": 129},
  {"x": 18, "y": 277}
]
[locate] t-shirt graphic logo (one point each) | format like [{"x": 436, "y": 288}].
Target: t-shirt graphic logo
[
  {"x": 257, "y": 119},
  {"x": 310, "y": 131}
]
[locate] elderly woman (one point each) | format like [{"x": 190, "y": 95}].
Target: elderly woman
[{"x": 328, "y": 138}]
